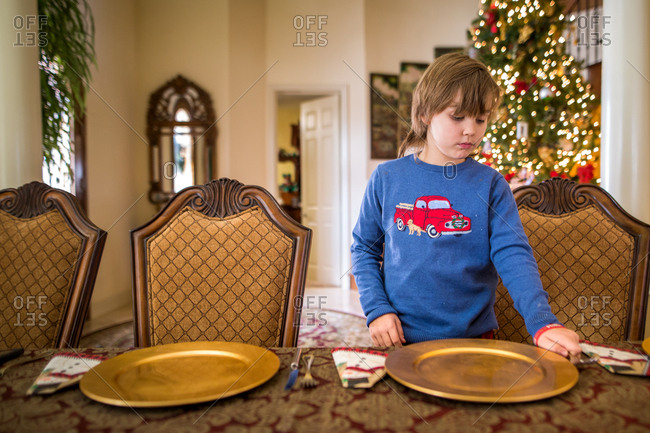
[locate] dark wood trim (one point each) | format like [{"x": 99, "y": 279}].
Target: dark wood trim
[
  {"x": 222, "y": 198},
  {"x": 79, "y": 143},
  {"x": 558, "y": 196},
  {"x": 37, "y": 198}
]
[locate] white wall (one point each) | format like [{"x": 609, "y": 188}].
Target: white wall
[
  {"x": 626, "y": 106},
  {"x": 21, "y": 155}
]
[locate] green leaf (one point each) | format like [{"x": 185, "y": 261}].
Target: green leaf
[{"x": 65, "y": 67}]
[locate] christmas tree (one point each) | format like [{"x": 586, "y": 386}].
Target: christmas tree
[{"x": 548, "y": 123}]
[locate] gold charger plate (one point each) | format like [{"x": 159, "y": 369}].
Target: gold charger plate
[
  {"x": 479, "y": 370},
  {"x": 179, "y": 374},
  {"x": 646, "y": 345}
]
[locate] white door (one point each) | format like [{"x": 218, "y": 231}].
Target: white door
[{"x": 320, "y": 192}]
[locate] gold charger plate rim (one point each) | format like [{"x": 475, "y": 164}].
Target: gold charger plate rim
[
  {"x": 401, "y": 365},
  {"x": 646, "y": 345},
  {"x": 97, "y": 384}
]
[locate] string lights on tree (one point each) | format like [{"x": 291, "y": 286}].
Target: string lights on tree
[{"x": 548, "y": 123}]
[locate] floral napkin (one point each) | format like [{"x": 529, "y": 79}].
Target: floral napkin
[
  {"x": 359, "y": 368},
  {"x": 618, "y": 361},
  {"x": 64, "y": 369}
]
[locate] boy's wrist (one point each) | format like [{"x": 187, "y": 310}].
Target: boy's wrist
[{"x": 543, "y": 329}]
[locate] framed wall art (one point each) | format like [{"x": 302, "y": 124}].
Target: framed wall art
[
  {"x": 384, "y": 96},
  {"x": 439, "y": 51},
  {"x": 409, "y": 76}
]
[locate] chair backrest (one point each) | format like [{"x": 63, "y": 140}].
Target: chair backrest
[
  {"x": 592, "y": 257},
  {"x": 220, "y": 262},
  {"x": 49, "y": 256}
]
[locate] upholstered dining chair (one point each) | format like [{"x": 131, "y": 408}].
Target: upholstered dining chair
[
  {"x": 49, "y": 256},
  {"x": 592, "y": 257},
  {"x": 220, "y": 262}
]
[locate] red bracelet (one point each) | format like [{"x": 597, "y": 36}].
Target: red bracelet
[{"x": 543, "y": 329}]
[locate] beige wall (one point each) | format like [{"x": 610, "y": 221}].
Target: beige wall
[
  {"x": 21, "y": 156},
  {"x": 338, "y": 66},
  {"x": 136, "y": 54},
  {"x": 248, "y": 78},
  {"x": 115, "y": 149},
  {"x": 190, "y": 38},
  {"x": 396, "y": 37},
  {"x": 241, "y": 53}
]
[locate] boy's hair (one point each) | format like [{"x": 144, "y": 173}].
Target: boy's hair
[{"x": 442, "y": 81}]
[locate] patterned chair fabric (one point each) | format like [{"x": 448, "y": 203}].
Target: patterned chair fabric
[
  {"x": 592, "y": 258},
  {"x": 221, "y": 262},
  {"x": 49, "y": 255}
]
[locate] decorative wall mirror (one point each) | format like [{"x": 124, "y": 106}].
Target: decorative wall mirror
[{"x": 182, "y": 135}]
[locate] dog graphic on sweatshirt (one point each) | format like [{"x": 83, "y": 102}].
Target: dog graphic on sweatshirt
[{"x": 413, "y": 228}]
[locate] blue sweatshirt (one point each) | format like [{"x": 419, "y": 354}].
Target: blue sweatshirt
[{"x": 430, "y": 244}]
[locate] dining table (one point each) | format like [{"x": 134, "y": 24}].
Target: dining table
[{"x": 600, "y": 401}]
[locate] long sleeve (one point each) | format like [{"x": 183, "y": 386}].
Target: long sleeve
[
  {"x": 367, "y": 249},
  {"x": 513, "y": 258},
  {"x": 429, "y": 243}
]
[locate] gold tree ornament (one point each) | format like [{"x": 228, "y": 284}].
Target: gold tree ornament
[
  {"x": 546, "y": 155},
  {"x": 566, "y": 145},
  {"x": 525, "y": 33}
]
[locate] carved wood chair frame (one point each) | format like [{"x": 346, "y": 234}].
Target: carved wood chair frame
[
  {"x": 36, "y": 198},
  {"x": 222, "y": 198},
  {"x": 559, "y": 196}
]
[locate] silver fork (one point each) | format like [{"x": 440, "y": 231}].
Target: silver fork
[{"x": 308, "y": 381}]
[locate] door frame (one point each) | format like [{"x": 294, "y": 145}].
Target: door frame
[{"x": 273, "y": 93}]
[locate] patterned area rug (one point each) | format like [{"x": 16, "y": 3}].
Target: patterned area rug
[
  {"x": 318, "y": 328},
  {"x": 327, "y": 328}
]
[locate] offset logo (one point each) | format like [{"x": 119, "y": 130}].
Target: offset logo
[
  {"x": 310, "y": 30},
  {"x": 29, "y": 30},
  {"x": 29, "y": 310}
]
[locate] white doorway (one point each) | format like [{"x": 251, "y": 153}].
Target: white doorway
[
  {"x": 320, "y": 160},
  {"x": 324, "y": 177}
]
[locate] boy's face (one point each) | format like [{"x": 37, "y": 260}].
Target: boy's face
[{"x": 452, "y": 137}]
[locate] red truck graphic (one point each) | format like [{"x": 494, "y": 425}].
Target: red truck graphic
[{"x": 432, "y": 214}]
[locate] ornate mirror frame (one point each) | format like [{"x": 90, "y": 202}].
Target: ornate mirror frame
[{"x": 165, "y": 129}]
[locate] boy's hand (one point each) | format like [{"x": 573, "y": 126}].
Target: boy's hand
[
  {"x": 386, "y": 330},
  {"x": 562, "y": 341}
]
